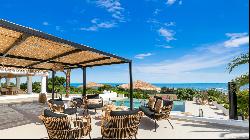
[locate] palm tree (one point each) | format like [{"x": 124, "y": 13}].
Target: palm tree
[{"x": 238, "y": 61}]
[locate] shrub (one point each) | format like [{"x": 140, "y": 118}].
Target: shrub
[
  {"x": 186, "y": 93},
  {"x": 243, "y": 103}
]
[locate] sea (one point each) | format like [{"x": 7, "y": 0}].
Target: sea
[{"x": 199, "y": 86}]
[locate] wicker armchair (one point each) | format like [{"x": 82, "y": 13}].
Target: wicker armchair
[
  {"x": 57, "y": 105},
  {"x": 121, "y": 124},
  {"x": 163, "y": 115},
  {"x": 63, "y": 127},
  {"x": 93, "y": 102}
]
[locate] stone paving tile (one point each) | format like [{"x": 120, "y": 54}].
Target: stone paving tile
[{"x": 12, "y": 115}]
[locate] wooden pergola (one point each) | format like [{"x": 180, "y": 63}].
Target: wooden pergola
[{"x": 23, "y": 47}]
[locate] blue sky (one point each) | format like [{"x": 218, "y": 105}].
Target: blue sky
[{"x": 169, "y": 41}]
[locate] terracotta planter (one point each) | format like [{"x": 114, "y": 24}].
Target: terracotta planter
[{"x": 42, "y": 98}]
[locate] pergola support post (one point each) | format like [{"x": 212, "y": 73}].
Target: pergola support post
[
  {"x": 53, "y": 85},
  {"x": 18, "y": 82},
  {"x": 84, "y": 83},
  {"x": 29, "y": 84},
  {"x": 131, "y": 86},
  {"x": 43, "y": 84}
]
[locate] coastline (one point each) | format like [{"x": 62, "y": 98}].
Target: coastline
[{"x": 201, "y": 86}]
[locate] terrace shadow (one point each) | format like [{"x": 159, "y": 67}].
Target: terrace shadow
[
  {"x": 219, "y": 128},
  {"x": 148, "y": 124}
]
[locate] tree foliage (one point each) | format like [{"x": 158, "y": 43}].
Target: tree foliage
[
  {"x": 240, "y": 60},
  {"x": 59, "y": 84}
]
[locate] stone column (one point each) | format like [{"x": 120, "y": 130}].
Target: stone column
[
  {"x": 43, "y": 84},
  {"x": 18, "y": 82},
  {"x": 8, "y": 81},
  {"x": 29, "y": 84}
]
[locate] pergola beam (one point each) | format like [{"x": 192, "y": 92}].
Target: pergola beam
[
  {"x": 94, "y": 60},
  {"x": 35, "y": 59},
  {"x": 56, "y": 57},
  {"x": 105, "y": 64},
  {"x": 24, "y": 67},
  {"x": 19, "y": 41}
]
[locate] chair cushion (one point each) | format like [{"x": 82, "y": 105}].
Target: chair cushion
[
  {"x": 151, "y": 102},
  {"x": 49, "y": 113},
  {"x": 70, "y": 111},
  {"x": 147, "y": 111},
  {"x": 158, "y": 105},
  {"x": 157, "y": 97},
  {"x": 94, "y": 101},
  {"x": 93, "y": 106},
  {"x": 56, "y": 101},
  {"x": 124, "y": 113},
  {"x": 95, "y": 96},
  {"x": 79, "y": 102},
  {"x": 167, "y": 102}
]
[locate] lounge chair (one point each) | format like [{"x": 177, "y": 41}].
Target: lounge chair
[
  {"x": 164, "y": 113},
  {"x": 93, "y": 102},
  {"x": 60, "y": 126},
  {"x": 121, "y": 124}
]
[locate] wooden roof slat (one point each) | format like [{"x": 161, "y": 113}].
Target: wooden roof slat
[
  {"x": 20, "y": 40},
  {"x": 56, "y": 57},
  {"x": 94, "y": 60},
  {"x": 37, "y": 33},
  {"x": 37, "y": 50}
]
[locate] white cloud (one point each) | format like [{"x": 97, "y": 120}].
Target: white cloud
[
  {"x": 236, "y": 35},
  {"x": 168, "y": 47},
  {"x": 106, "y": 25},
  {"x": 112, "y": 6},
  {"x": 180, "y": 2},
  {"x": 156, "y": 12},
  {"x": 96, "y": 25},
  {"x": 142, "y": 56},
  {"x": 94, "y": 20},
  {"x": 59, "y": 28},
  {"x": 236, "y": 39},
  {"x": 45, "y": 23},
  {"x": 92, "y": 28},
  {"x": 205, "y": 64},
  {"x": 168, "y": 24},
  {"x": 170, "y": 2},
  {"x": 167, "y": 34}
]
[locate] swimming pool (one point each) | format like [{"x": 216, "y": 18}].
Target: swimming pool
[{"x": 178, "y": 105}]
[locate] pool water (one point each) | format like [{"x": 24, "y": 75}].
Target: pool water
[{"x": 178, "y": 105}]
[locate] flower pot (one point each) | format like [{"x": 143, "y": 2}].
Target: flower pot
[{"x": 42, "y": 98}]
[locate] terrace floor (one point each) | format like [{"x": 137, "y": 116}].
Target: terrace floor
[{"x": 20, "y": 121}]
